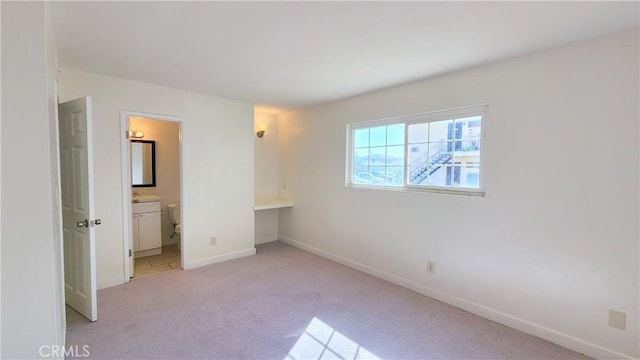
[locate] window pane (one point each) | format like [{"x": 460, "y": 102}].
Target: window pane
[
  {"x": 395, "y": 134},
  {"x": 395, "y": 175},
  {"x": 466, "y": 145},
  {"x": 418, "y": 157},
  {"x": 417, "y": 154},
  {"x": 440, "y": 153},
  {"x": 359, "y": 179},
  {"x": 464, "y": 158},
  {"x": 361, "y": 138},
  {"x": 376, "y": 175},
  {"x": 471, "y": 144},
  {"x": 469, "y": 134},
  {"x": 360, "y": 160},
  {"x": 418, "y": 133},
  {"x": 378, "y": 156},
  {"x": 380, "y": 159},
  {"x": 440, "y": 130},
  {"x": 469, "y": 175},
  {"x": 439, "y": 176},
  {"x": 470, "y": 123},
  {"x": 378, "y": 136},
  {"x": 418, "y": 175},
  {"x": 395, "y": 155},
  {"x": 457, "y": 130}
]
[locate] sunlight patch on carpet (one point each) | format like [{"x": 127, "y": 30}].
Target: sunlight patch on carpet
[{"x": 321, "y": 341}]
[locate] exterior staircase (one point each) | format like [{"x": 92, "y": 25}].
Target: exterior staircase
[{"x": 439, "y": 154}]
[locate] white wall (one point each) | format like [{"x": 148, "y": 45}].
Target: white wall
[
  {"x": 266, "y": 173},
  {"x": 218, "y": 180},
  {"x": 266, "y": 155},
  {"x": 266, "y": 229},
  {"x": 33, "y": 310},
  {"x": 166, "y": 134},
  {"x": 553, "y": 245}
]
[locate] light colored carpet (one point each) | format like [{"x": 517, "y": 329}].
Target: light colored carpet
[{"x": 284, "y": 303}]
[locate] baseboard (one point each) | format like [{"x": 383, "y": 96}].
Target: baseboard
[
  {"x": 169, "y": 242},
  {"x": 220, "y": 258},
  {"x": 145, "y": 253},
  {"x": 267, "y": 239},
  {"x": 107, "y": 283},
  {"x": 525, "y": 326},
  {"x": 115, "y": 281}
]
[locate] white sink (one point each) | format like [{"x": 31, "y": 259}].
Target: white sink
[{"x": 145, "y": 198}]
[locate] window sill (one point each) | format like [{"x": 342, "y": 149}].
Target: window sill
[{"x": 475, "y": 193}]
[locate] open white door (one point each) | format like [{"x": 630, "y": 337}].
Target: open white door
[{"x": 76, "y": 171}]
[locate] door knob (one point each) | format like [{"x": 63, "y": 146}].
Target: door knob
[
  {"x": 83, "y": 223},
  {"x": 98, "y": 221}
]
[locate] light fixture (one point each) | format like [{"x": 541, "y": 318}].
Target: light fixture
[
  {"x": 136, "y": 134},
  {"x": 261, "y": 129}
]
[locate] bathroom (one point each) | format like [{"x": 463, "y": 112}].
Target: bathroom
[{"x": 155, "y": 193}]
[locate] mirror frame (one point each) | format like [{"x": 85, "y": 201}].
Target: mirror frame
[{"x": 153, "y": 164}]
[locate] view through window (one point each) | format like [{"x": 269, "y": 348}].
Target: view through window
[{"x": 426, "y": 151}]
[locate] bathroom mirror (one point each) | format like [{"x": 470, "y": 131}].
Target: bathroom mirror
[{"x": 143, "y": 163}]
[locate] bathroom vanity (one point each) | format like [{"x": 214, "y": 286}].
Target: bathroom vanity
[{"x": 147, "y": 234}]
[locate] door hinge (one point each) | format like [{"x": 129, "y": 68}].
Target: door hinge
[
  {"x": 127, "y": 133},
  {"x": 129, "y": 252}
]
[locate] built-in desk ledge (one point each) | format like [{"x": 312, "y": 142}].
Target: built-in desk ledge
[{"x": 265, "y": 204}]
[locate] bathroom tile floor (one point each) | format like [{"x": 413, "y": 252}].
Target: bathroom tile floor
[{"x": 167, "y": 261}]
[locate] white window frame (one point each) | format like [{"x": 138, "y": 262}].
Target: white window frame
[{"x": 467, "y": 111}]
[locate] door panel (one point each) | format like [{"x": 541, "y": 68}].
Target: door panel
[
  {"x": 149, "y": 230},
  {"x": 76, "y": 172}
]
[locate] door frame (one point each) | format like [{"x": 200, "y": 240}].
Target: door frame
[{"x": 126, "y": 182}]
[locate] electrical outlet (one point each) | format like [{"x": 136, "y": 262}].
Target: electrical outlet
[
  {"x": 214, "y": 240},
  {"x": 431, "y": 267},
  {"x": 617, "y": 319}
]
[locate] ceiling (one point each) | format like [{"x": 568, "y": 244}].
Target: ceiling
[{"x": 285, "y": 55}]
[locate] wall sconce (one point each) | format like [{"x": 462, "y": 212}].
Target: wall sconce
[
  {"x": 136, "y": 134},
  {"x": 261, "y": 129}
]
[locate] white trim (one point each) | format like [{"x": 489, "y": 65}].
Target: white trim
[
  {"x": 126, "y": 180},
  {"x": 432, "y": 190},
  {"x": 126, "y": 193},
  {"x": 219, "y": 258},
  {"x": 267, "y": 239},
  {"x": 423, "y": 117},
  {"x": 523, "y": 325},
  {"x": 349, "y": 156}
]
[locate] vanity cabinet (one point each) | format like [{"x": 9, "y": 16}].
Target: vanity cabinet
[{"x": 146, "y": 225}]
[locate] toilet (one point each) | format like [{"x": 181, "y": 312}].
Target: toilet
[{"x": 174, "y": 215}]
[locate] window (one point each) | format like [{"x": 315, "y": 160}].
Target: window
[
  {"x": 437, "y": 151},
  {"x": 378, "y": 155}
]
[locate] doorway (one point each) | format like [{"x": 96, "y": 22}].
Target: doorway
[{"x": 152, "y": 161}]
